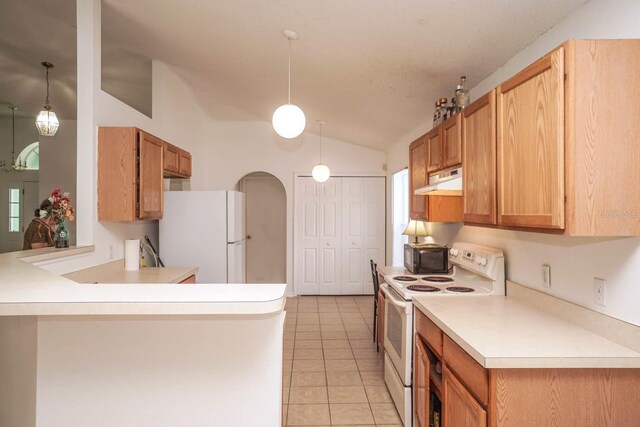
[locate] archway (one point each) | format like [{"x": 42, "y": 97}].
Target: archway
[{"x": 266, "y": 228}]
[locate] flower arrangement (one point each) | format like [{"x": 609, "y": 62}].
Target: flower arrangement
[{"x": 60, "y": 208}]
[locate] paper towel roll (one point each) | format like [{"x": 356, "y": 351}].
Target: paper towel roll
[{"x": 132, "y": 254}]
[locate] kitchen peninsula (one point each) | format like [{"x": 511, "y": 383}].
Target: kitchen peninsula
[{"x": 136, "y": 354}]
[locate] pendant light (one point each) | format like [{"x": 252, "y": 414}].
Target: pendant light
[
  {"x": 288, "y": 120},
  {"x": 47, "y": 122},
  {"x": 321, "y": 172},
  {"x": 19, "y": 166}
]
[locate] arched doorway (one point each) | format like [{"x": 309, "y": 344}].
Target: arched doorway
[{"x": 266, "y": 228}]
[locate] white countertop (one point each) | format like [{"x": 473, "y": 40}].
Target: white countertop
[
  {"x": 26, "y": 289},
  {"x": 114, "y": 272},
  {"x": 506, "y": 332}
]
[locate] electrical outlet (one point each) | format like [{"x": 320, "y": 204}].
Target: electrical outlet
[
  {"x": 546, "y": 275},
  {"x": 598, "y": 291},
  {"x": 110, "y": 251}
]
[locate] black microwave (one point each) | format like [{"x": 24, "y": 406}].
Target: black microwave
[{"x": 426, "y": 258}]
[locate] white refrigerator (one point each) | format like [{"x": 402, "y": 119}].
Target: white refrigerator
[{"x": 205, "y": 229}]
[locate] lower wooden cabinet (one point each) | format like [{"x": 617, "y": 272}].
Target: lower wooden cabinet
[
  {"x": 190, "y": 279},
  {"x": 474, "y": 396},
  {"x": 461, "y": 409},
  {"x": 421, "y": 370}
]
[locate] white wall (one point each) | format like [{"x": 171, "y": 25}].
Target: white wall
[
  {"x": 234, "y": 149},
  {"x": 26, "y": 134},
  {"x": 58, "y": 166},
  {"x": 223, "y": 151},
  {"x": 574, "y": 261}
]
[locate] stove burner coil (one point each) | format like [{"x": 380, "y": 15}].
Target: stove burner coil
[
  {"x": 405, "y": 279},
  {"x": 439, "y": 279},
  {"x": 423, "y": 288},
  {"x": 461, "y": 289}
]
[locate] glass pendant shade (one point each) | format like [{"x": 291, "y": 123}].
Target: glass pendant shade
[
  {"x": 320, "y": 173},
  {"x": 289, "y": 121},
  {"x": 47, "y": 122}
]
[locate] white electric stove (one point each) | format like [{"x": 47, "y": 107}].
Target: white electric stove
[{"x": 475, "y": 271}]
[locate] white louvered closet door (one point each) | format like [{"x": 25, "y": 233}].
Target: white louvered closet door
[
  {"x": 339, "y": 226},
  {"x": 352, "y": 235},
  {"x": 318, "y": 228},
  {"x": 373, "y": 225}
]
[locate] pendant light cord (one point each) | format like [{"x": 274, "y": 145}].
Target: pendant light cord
[
  {"x": 320, "y": 142},
  {"x": 289, "y": 71},
  {"x": 47, "y": 101},
  {"x": 13, "y": 132}
]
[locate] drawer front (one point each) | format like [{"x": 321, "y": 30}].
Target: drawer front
[
  {"x": 470, "y": 372},
  {"x": 429, "y": 331}
]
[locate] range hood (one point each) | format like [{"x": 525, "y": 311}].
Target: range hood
[{"x": 447, "y": 183}]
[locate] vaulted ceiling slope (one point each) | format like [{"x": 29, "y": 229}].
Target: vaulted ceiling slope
[
  {"x": 32, "y": 31},
  {"x": 371, "y": 69}
]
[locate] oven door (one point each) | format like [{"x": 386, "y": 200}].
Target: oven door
[{"x": 398, "y": 330}]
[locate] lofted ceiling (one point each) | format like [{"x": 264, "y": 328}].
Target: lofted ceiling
[
  {"x": 33, "y": 31},
  {"x": 372, "y": 69}
]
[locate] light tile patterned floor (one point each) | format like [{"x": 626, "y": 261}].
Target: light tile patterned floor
[{"x": 333, "y": 375}]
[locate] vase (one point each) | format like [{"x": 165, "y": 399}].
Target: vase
[{"x": 62, "y": 235}]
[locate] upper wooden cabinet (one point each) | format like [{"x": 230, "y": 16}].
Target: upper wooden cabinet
[
  {"x": 150, "y": 189},
  {"x": 417, "y": 179},
  {"x": 602, "y": 127},
  {"x": 176, "y": 161},
  {"x": 568, "y": 150},
  {"x": 531, "y": 145},
  {"x": 171, "y": 159},
  {"x": 452, "y": 141},
  {"x": 433, "y": 141},
  {"x": 129, "y": 175},
  {"x": 479, "y": 160},
  {"x": 185, "y": 164}
]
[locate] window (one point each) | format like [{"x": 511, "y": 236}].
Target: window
[
  {"x": 399, "y": 214},
  {"x": 14, "y": 210},
  {"x": 30, "y": 156}
]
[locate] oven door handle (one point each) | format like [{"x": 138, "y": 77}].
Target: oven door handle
[{"x": 392, "y": 299}]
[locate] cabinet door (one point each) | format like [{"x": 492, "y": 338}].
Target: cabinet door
[
  {"x": 150, "y": 177},
  {"x": 452, "y": 141},
  {"x": 421, "y": 371},
  {"x": 185, "y": 164},
  {"x": 171, "y": 158},
  {"x": 434, "y": 150},
  {"x": 531, "y": 145},
  {"x": 417, "y": 179},
  {"x": 479, "y": 159},
  {"x": 460, "y": 408},
  {"x": 117, "y": 174}
]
